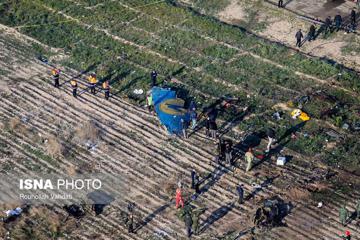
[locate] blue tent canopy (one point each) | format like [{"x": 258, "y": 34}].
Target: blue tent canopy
[{"x": 169, "y": 109}]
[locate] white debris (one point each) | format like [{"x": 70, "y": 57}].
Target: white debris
[
  {"x": 138, "y": 91},
  {"x": 281, "y": 161},
  {"x": 91, "y": 146},
  {"x": 13, "y": 212}
]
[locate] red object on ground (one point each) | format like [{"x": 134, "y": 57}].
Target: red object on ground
[
  {"x": 179, "y": 199},
  {"x": 347, "y": 233}
]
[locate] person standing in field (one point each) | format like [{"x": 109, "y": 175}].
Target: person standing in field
[
  {"x": 131, "y": 207},
  {"x": 299, "y": 35},
  {"x": 193, "y": 178},
  {"x": 188, "y": 223},
  {"x": 193, "y": 117},
  {"x": 249, "y": 156},
  {"x": 207, "y": 126},
  {"x": 328, "y": 25},
  {"x": 73, "y": 84},
  {"x": 178, "y": 198},
  {"x": 347, "y": 235},
  {"x": 271, "y": 137},
  {"x": 56, "y": 77},
  {"x": 311, "y": 34},
  {"x": 196, "y": 220},
  {"x": 343, "y": 215},
  {"x": 153, "y": 76},
  {"x": 183, "y": 128},
  {"x": 228, "y": 151},
  {"x": 338, "y": 22},
  {"x": 213, "y": 129},
  {"x": 353, "y": 19},
  {"x": 92, "y": 82},
  {"x": 240, "y": 191},
  {"x": 195, "y": 181},
  {"x": 106, "y": 89},
  {"x": 149, "y": 102},
  {"x": 281, "y": 4}
]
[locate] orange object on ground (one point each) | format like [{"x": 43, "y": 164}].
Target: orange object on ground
[{"x": 179, "y": 199}]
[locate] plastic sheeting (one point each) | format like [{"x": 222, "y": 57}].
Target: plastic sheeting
[{"x": 170, "y": 109}]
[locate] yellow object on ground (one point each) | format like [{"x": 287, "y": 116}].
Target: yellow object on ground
[
  {"x": 304, "y": 117},
  {"x": 297, "y": 113},
  {"x": 173, "y": 106}
]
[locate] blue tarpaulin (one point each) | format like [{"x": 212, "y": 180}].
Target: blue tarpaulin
[{"x": 170, "y": 109}]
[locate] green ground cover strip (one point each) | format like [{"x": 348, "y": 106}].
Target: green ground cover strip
[{"x": 239, "y": 38}]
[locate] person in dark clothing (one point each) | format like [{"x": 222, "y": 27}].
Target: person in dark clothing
[
  {"x": 197, "y": 184},
  {"x": 192, "y": 105},
  {"x": 74, "y": 210},
  {"x": 353, "y": 19},
  {"x": 328, "y": 25},
  {"x": 213, "y": 129},
  {"x": 311, "y": 34},
  {"x": 56, "y": 76},
  {"x": 299, "y": 37},
  {"x": 207, "y": 126},
  {"x": 338, "y": 22},
  {"x": 153, "y": 78},
  {"x": 98, "y": 208},
  {"x": 228, "y": 151},
  {"x": 240, "y": 191},
  {"x": 106, "y": 88},
  {"x": 130, "y": 225},
  {"x": 73, "y": 84},
  {"x": 271, "y": 137},
  {"x": 221, "y": 150},
  {"x": 193, "y": 178},
  {"x": 188, "y": 223},
  {"x": 193, "y": 117},
  {"x": 183, "y": 128},
  {"x": 281, "y": 4}
]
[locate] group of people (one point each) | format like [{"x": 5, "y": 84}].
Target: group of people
[
  {"x": 92, "y": 83},
  {"x": 327, "y": 27}
]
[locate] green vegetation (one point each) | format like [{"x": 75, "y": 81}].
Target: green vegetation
[{"x": 208, "y": 58}]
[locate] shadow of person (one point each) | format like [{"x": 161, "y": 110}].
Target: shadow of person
[
  {"x": 216, "y": 215},
  {"x": 291, "y": 131},
  {"x": 151, "y": 216}
]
